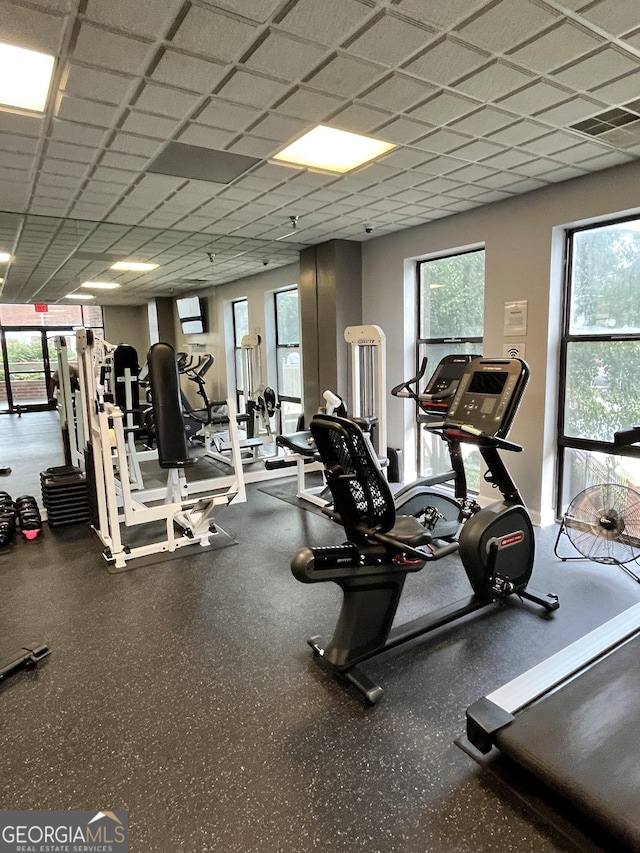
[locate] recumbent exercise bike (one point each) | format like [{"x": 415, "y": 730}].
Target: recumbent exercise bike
[{"x": 496, "y": 544}]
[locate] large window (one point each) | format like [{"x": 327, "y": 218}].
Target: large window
[
  {"x": 600, "y": 357},
  {"x": 240, "y": 313},
  {"x": 28, "y": 354},
  {"x": 289, "y": 364},
  {"x": 450, "y": 320}
]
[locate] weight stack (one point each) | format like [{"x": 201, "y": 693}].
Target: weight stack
[{"x": 64, "y": 495}]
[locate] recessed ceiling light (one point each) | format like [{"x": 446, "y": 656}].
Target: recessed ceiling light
[
  {"x": 25, "y": 77},
  {"x": 5, "y": 257},
  {"x": 1, "y": 281},
  {"x": 133, "y": 266},
  {"x": 100, "y": 285},
  {"x": 332, "y": 150},
  {"x": 79, "y": 296}
]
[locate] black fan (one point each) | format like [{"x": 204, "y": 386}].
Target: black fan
[{"x": 603, "y": 525}]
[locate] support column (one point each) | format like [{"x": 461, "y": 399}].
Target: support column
[{"x": 330, "y": 289}]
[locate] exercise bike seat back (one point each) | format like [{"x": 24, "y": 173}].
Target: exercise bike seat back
[{"x": 362, "y": 499}]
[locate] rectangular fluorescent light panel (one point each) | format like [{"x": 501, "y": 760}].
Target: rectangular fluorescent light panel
[
  {"x": 100, "y": 285},
  {"x": 5, "y": 257},
  {"x": 25, "y": 77},
  {"x": 332, "y": 150},
  {"x": 133, "y": 266},
  {"x": 79, "y": 296}
]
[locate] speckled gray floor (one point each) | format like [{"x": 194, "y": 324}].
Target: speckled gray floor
[{"x": 185, "y": 693}]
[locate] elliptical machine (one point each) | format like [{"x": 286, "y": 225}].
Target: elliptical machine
[{"x": 496, "y": 545}]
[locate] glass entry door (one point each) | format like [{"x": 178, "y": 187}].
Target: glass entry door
[{"x": 26, "y": 369}]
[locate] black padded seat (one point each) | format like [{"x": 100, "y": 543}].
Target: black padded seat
[
  {"x": 582, "y": 741},
  {"x": 301, "y": 442},
  {"x": 408, "y": 530}
]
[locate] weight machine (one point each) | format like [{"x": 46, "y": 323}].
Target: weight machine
[{"x": 117, "y": 511}]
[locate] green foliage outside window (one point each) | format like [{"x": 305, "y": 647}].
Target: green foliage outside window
[
  {"x": 602, "y": 375},
  {"x": 452, "y": 291}
]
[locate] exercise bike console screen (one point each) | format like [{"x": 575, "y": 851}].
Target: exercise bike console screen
[
  {"x": 488, "y": 395},
  {"x": 487, "y": 383}
]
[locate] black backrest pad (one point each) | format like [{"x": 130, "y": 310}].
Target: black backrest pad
[
  {"x": 165, "y": 394},
  {"x": 360, "y": 491}
]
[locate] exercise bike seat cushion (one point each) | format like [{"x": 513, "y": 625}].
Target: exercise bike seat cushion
[{"x": 409, "y": 531}]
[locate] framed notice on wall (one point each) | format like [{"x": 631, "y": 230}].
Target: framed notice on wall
[{"x": 515, "y": 318}]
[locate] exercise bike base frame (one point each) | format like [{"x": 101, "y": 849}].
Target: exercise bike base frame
[{"x": 408, "y": 631}]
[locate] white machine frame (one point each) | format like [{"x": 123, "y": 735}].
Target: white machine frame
[{"x": 116, "y": 505}]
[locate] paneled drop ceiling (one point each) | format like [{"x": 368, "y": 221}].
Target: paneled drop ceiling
[{"x": 485, "y": 100}]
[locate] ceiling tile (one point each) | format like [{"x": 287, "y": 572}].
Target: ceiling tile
[
  {"x": 472, "y": 174},
  {"x": 569, "y": 112},
  {"x": 507, "y": 160},
  {"x": 260, "y": 12},
  {"x": 398, "y": 92},
  {"x": 255, "y": 146},
  {"x": 315, "y": 106},
  {"x": 326, "y": 23},
  {"x": 546, "y": 52},
  {"x": 127, "y": 143},
  {"x": 440, "y": 165},
  {"x": 403, "y": 130},
  {"x": 21, "y": 144},
  {"x": 443, "y": 108},
  {"x": 280, "y": 128},
  {"x": 622, "y": 90},
  {"x": 205, "y": 137},
  {"x": 21, "y": 124},
  {"x": 63, "y": 167},
  {"x": 494, "y": 81},
  {"x": 233, "y": 117},
  {"x": 144, "y": 19},
  {"x": 551, "y": 143},
  {"x": 614, "y": 16},
  {"x": 358, "y": 118},
  {"x": 98, "y": 85},
  {"x": 188, "y": 72},
  {"x": 78, "y": 134},
  {"x": 390, "y": 40},
  {"x": 128, "y": 162},
  {"x": 440, "y": 13},
  {"x": 108, "y": 50},
  {"x": 506, "y": 23},
  {"x": 484, "y": 121},
  {"x": 165, "y": 101},
  {"x": 406, "y": 158},
  {"x": 88, "y": 112},
  {"x": 252, "y": 89},
  {"x": 518, "y": 133},
  {"x": 478, "y": 150},
  {"x": 345, "y": 75},
  {"x": 68, "y": 151},
  {"x": 597, "y": 69},
  {"x": 441, "y": 141},
  {"x": 33, "y": 29},
  {"x": 214, "y": 35},
  {"x": 446, "y": 62},
  {"x": 148, "y": 125},
  {"x": 285, "y": 57},
  {"x": 534, "y": 98}
]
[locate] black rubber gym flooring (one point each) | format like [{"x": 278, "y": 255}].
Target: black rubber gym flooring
[{"x": 185, "y": 693}]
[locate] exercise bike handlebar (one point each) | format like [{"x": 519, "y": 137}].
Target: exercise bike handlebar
[
  {"x": 407, "y": 390},
  {"x": 477, "y": 435}
]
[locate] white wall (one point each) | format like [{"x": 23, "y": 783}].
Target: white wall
[{"x": 522, "y": 238}]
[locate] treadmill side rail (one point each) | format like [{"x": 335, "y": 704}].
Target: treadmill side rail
[{"x": 484, "y": 719}]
